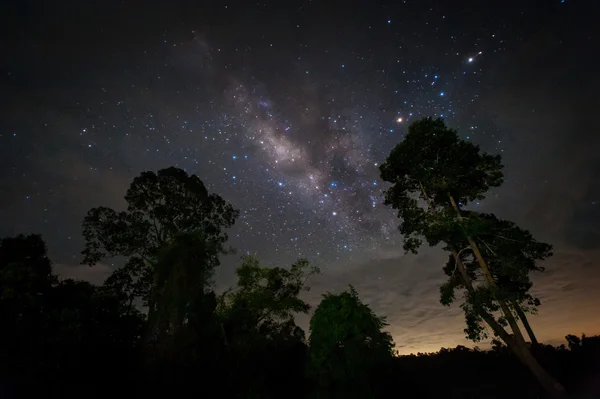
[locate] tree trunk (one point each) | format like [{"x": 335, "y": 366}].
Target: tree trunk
[
  {"x": 490, "y": 279},
  {"x": 526, "y": 324},
  {"x": 489, "y": 319},
  {"x": 518, "y": 344}
]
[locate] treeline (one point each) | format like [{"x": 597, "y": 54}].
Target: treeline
[
  {"x": 73, "y": 339},
  {"x": 70, "y": 338}
]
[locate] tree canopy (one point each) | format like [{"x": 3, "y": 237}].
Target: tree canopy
[
  {"x": 160, "y": 206},
  {"x": 268, "y": 298},
  {"x": 348, "y": 345},
  {"x": 431, "y": 165}
]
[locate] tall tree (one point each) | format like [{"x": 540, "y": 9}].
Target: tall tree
[
  {"x": 159, "y": 207},
  {"x": 348, "y": 347},
  {"x": 434, "y": 175}
]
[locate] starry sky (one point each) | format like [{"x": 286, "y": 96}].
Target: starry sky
[{"x": 286, "y": 109}]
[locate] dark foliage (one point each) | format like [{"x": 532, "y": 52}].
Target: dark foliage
[
  {"x": 59, "y": 337},
  {"x": 349, "y": 353},
  {"x": 160, "y": 207},
  {"x": 72, "y": 339},
  {"x": 496, "y": 373}
]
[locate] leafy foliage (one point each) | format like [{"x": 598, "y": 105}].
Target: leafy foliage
[
  {"x": 259, "y": 329},
  {"x": 132, "y": 280},
  {"x": 511, "y": 254},
  {"x": 430, "y": 164},
  {"x": 347, "y": 345},
  {"x": 159, "y": 207},
  {"x": 266, "y": 299},
  {"x": 434, "y": 174},
  {"x": 429, "y": 170}
]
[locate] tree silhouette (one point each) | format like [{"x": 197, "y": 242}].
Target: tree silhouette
[
  {"x": 347, "y": 346},
  {"x": 25, "y": 269},
  {"x": 26, "y": 280},
  {"x": 266, "y": 299},
  {"x": 511, "y": 254},
  {"x": 62, "y": 338},
  {"x": 58, "y": 335},
  {"x": 159, "y": 207},
  {"x": 434, "y": 175},
  {"x": 259, "y": 330}
]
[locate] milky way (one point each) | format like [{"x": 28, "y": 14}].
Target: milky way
[
  {"x": 287, "y": 122},
  {"x": 319, "y": 159},
  {"x": 327, "y": 175}
]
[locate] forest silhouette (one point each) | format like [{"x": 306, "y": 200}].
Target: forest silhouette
[{"x": 157, "y": 327}]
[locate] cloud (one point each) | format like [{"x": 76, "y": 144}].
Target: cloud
[{"x": 405, "y": 289}]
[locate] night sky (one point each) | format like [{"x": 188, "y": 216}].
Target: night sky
[{"x": 286, "y": 110}]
